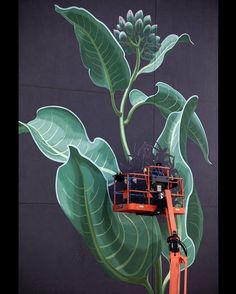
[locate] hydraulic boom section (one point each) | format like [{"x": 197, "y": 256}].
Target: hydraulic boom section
[{"x": 156, "y": 192}]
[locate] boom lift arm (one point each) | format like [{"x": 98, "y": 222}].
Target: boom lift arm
[
  {"x": 176, "y": 258},
  {"x": 153, "y": 195}
]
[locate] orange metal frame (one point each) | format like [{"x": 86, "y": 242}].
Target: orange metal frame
[{"x": 176, "y": 258}]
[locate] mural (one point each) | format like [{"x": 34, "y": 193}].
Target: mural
[{"x": 127, "y": 246}]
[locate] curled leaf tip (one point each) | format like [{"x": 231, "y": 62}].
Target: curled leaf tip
[
  {"x": 189, "y": 38},
  {"x": 22, "y": 128},
  {"x": 194, "y": 97},
  {"x": 57, "y": 8},
  {"x": 208, "y": 161}
]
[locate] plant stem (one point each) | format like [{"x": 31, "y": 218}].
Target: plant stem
[
  {"x": 124, "y": 140},
  {"x": 130, "y": 114},
  {"x": 122, "y": 107},
  {"x": 158, "y": 276},
  {"x": 113, "y": 103},
  {"x": 148, "y": 287},
  {"x": 166, "y": 280}
]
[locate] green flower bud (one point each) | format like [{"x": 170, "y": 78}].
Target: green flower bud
[
  {"x": 138, "y": 31},
  {"x": 151, "y": 38},
  {"x": 142, "y": 44},
  {"x": 130, "y": 17},
  {"x": 156, "y": 48},
  {"x": 116, "y": 34},
  {"x": 146, "y": 55},
  {"x": 151, "y": 47},
  {"x": 123, "y": 37},
  {"x": 129, "y": 28},
  {"x": 154, "y": 29},
  {"x": 147, "y": 20},
  {"x": 153, "y": 43},
  {"x": 139, "y": 25},
  {"x": 147, "y": 30},
  {"x": 138, "y": 15},
  {"x": 157, "y": 39},
  {"x": 121, "y": 22}
]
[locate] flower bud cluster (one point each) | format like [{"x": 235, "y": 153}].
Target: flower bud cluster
[{"x": 137, "y": 31}]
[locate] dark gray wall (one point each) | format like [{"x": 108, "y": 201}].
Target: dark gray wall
[{"x": 52, "y": 256}]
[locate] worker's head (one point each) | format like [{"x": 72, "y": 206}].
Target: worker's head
[{"x": 158, "y": 164}]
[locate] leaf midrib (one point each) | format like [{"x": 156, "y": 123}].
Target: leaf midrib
[
  {"x": 107, "y": 264},
  {"x": 147, "y": 101},
  {"x": 46, "y": 143},
  {"x": 99, "y": 55},
  {"x": 187, "y": 199},
  {"x": 179, "y": 122},
  {"x": 109, "y": 171}
]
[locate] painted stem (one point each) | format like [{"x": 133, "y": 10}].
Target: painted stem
[
  {"x": 158, "y": 276},
  {"x": 132, "y": 110},
  {"x": 113, "y": 103},
  {"x": 122, "y": 107},
  {"x": 149, "y": 287},
  {"x": 124, "y": 140},
  {"x": 166, "y": 280}
]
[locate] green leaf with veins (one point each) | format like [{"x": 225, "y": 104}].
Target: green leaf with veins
[
  {"x": 174, "y": 138},
  {"x": 127, "y": 246},
  {"x": 100, "y": 52},
  {"x": 168, "y": 100},
  {"x": 167, "y": 44},
  {"x": 56, "y": 127}
]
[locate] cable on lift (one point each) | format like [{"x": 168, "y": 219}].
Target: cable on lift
[{"x": 174, "y": 243}]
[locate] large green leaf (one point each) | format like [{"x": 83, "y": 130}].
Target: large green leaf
[
  {"x": 174, "y": 138},
  {"x": 125, "y": 245},
  {"x": 167, "y": 44},
  {"x": 168, "y": 100},
  {"x": 195, "y": 219},
  {"x": 56, "y": 127},
  {"x": 100, "y": 52}
]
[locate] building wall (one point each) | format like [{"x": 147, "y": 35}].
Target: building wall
[{"x": 52, "y": 256}]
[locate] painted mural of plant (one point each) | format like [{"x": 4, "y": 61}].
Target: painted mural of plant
[{"x": 126, "y": 246}]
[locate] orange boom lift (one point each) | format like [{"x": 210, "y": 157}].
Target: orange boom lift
[{"x": 156, "y": 192}]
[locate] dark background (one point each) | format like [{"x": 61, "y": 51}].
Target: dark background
[{"x": 52, "y": 255}]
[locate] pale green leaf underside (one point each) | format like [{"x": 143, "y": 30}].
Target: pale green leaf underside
[
  {"x": 167, "y": 44},
  {"x": 168, "y": 100},
  {"x": 54, "y": 128},
  {"x": 126, "y": 245},
  {"x": 174, "y": 137},
  {"x": 22, "y": 129},
  {"x": 100, "y": 52}
]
